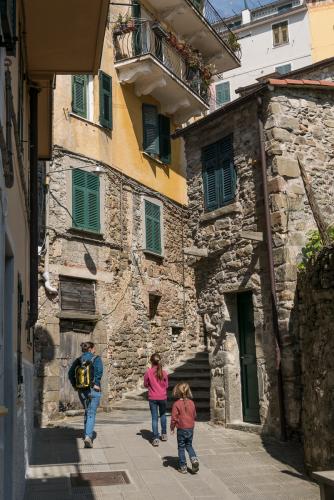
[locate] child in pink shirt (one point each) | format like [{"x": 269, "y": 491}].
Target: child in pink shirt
[
  {"x": 156, "y": 380},
  {"x": 183, "y": 418}
]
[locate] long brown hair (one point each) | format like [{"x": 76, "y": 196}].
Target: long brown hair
[
  {"x": 182, "y": 390},
  {"x": 156, "y": 361}
]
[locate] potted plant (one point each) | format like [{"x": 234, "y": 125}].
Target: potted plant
[
  {"x": 233, "y": 43},
  {"x": 124, "y": 25}
]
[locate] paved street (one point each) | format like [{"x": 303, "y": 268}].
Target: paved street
[{"x": 233, "y": 464}]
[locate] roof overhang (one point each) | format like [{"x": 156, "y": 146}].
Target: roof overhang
[
  {"x": 45, "y": 119},
  {"x": 64, "y": 36}
]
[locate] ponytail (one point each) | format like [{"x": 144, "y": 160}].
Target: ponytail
[{"x": 156, "y": 361}]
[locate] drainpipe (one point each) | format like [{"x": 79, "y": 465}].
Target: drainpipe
[
  {"x": 33, "y": 312},
  {"x": 272, "y": 279}
]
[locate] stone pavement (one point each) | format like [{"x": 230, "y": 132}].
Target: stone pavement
[{"x": 233, "y": 464}]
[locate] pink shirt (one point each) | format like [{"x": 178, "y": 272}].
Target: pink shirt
[{"x": 157, "y": 389}]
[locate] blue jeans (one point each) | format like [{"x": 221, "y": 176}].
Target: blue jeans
[
  {"x": 90, "y": 400},
  {"x": 158, "y": 409},
  {"x": 185, "y": 442}
]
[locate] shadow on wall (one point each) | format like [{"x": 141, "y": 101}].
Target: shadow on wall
[{"x": 45, "y": 366}]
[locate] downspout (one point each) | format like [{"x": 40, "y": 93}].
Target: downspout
[
  {"x": 33, "y": 202},
  {"x": 46, "y": 277},
  {"x": 269, "y": 239}
]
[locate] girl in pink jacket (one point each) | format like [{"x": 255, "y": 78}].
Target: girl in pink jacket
[{"x": 156, "y": 380}]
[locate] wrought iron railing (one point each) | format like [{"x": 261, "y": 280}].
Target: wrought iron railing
[
  {"x": 148, "y": 38},
  {"x": 210, "y": 14}
]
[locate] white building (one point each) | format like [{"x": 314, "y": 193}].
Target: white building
[{"x": 273, "y": 38}]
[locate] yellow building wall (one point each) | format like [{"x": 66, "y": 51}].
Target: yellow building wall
[
  {"x": 322, "y": 30},
  {"x": 121, "y": 147}
]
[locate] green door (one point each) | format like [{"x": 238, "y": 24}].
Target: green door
[{"x": 248, "y": 368}]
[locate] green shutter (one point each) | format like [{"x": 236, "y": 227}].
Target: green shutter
[
  {"x": 85, "y": 200},
  {"x": 227, "y": 168},
  {"x": 150, "y": 129},
  {"x": 105, "y": 83},
  {"x": 137, "y": 34},
  {"x": 211, "y": 177},
  {"x": 79, "y": 95},
  {"x": 222, "y": 93},
  {"x": 164, "y": 139},
  {"x": 153, "y": 227}
]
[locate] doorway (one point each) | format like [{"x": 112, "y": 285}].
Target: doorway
[{"x": 248, "y": 365}]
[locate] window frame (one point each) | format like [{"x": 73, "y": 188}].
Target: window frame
[
  {"x": 228, "y": 83},
  {"x": 159, "y": 203},
  {"x": 280, "y": 44},
  {"x": 282, "y": 66}
]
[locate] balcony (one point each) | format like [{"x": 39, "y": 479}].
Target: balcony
[
  {"x": 198, "y": 22},
  {"x": 145, "y": 57}
]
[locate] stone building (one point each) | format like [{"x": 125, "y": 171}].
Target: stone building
[
  {"x": 238, "y": 289},
  {"x": 112, "y": 261}
]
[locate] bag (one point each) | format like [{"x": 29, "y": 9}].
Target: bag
[{"x": 84, "y": 373}]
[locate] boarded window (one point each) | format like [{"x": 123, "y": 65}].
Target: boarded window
[
  {"x": 77, "y": 295},
  {"x": 280, "y": 33}
]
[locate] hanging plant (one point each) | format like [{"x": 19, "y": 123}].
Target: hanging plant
[{"x": 124, "y": 24}]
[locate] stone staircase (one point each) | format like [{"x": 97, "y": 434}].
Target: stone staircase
[{"x": 192, "y": 368}]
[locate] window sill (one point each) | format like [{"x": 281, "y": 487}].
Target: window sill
[
  {"x": 90, "y": 122},
  {"x": 280, "y": 45},
  {"x": 155, "y": 159},
  {"x": 227, "y": 209},
  {"x": 159, "y": 256},
  {"x": 79, "y": 315},
  {"x": 83, "y": 233}
]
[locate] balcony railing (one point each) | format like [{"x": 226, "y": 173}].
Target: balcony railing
[
  {"x": 147, "y": 38},
  {"x": 210, "y": 14}
]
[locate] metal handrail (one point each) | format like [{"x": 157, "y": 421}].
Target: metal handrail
[
  {"x": 143, "y": 39},
  {"x": 210, "y": 14}
]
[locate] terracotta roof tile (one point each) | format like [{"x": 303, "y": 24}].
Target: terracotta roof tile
[{"x": 289, "y": 81}]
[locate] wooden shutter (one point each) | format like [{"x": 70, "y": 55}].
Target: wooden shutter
[
  {"x": 105, "y": 83},
  {"x": 153, "y": 227},
  {"x": 211, "y": 177},
  {"x": 222, "y": 93},
  {"x": 79, "y": 95},
  {"x": 77, "y": 295},
  {"x": 150, "y": 129},
  {"x": 164, "y": 139},
  {"x": 227, "y": 169},
  {"x": 137, "y": 34},
  {"x": 85, "y": 200},
  {"x": 284, "y": 32}
]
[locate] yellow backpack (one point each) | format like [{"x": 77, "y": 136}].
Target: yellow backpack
[{"x": 84, "y": 373}]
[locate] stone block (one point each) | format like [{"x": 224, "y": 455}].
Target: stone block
[
  {"x": 278, "y": 201},
  {"x": 51, "y": 383},
  {"x": 277, "y": 184},
  {"x": 296, "y": 187},
  {"x": 278, "y": 221},
  {"x": 280, "y": 134},
  {"x": 50, "y": 396},
  {"x": 286, "y": 167},
  {"x": 329, "y": 123}
]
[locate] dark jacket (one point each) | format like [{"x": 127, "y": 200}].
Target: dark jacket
[{"x": 97, "y": 368}]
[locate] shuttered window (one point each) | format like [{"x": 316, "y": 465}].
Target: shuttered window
[
  {"x": 79, "y": 95},
  {"x": 153, "y": 227},
  {"x": 280, "y": 33},
  {"x": 85, "y": 200},
  {"x": 77, "y": 295},
  {"x": 219, "y": 179},
  {"x": 156, "y": 133},
  {"x": 105, "y": 83},
  {"x": 222, "y": 93}
]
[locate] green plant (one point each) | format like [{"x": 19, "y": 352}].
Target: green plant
[
  {"x": 313, "y": 246},
  {"x": 233, "y": 43}
]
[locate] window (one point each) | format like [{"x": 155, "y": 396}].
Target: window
[
  {"x": 153, "y": 302},
  {"x": 153, "y": 233},
  {"x": 105, "y": 100},
  {"x": 282, "y": 70},
  {"x": 77, "y": 295},
  {"x": 85, "y": 200},
  {"x": 80, "y": 95},
  {"x": 280, "y": 33},
  {"x": 219, "y": 179},
  {"x": 222, "y": 93},
  {"x": 156, "y": 134}
]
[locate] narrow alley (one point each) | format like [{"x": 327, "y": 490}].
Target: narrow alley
[{"x": 233, "y": 464}]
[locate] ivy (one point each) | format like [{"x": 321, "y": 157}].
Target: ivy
[{"x": 313, "y": 246}]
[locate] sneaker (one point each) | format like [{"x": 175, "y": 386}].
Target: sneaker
[
  {"x": 164, "y": 437},
  {"x": 88, "y": 442},
  {"x": 195, "y": 465},
  {"x": 183, "y": 469},
  {"x": 155, "y": 442}
]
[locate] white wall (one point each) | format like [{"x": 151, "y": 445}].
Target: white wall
[{"x": 260, "y": 57}]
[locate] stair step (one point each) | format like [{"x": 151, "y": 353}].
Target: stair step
[{"x": 191, "y": 374}]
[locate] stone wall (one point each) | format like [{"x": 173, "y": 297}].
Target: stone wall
[
  {"x": 297, "y": 122},
  {"x": 125, "y": 275},
  {"x": 316, "y": 312}
]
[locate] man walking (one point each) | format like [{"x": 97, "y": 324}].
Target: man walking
[{"x": 85, "y": 376}]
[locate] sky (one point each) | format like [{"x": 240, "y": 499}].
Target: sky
[{"x": 226, "y": 7}]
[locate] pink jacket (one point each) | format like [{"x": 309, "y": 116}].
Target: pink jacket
[{"x": 157, "y": 389}]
